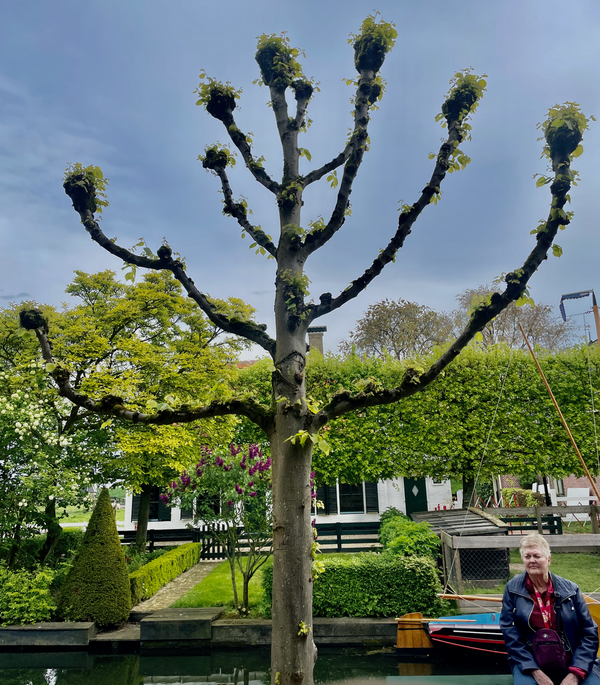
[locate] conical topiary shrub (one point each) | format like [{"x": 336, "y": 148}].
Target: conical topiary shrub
[{"x": 97, "y": 586}]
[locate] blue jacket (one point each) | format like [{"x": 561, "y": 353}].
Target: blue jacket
[{"x": 575, "y": 624}]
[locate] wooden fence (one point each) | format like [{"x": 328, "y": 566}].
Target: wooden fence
[{"x": 333, "y": 537}]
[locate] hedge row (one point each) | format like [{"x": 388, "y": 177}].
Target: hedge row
[
  {"x": 372, "y": 585},
  {"x": 148, "y": 580}
]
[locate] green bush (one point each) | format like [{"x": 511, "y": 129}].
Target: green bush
[
  {"x": 148, "y": 580},
  {"x": 371, "y": 585},
  {"x": 25, "y": 596},
  {"x": 67, "y": 545},
  {"x": 97, "y": 585},
  {"x": 401, "y": 536},
  {"x": 392, "y": 513},
  {"x": 523, "y": 498}
]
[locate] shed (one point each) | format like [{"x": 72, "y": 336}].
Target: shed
[{"x": 484, "y": 568}]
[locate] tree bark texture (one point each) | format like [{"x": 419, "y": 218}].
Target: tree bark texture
[
  {"x": 54, "y": 531},
  {"x": 141, "y": 533}
]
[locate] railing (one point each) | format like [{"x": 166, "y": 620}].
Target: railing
[{"x": 539, "y": 513}]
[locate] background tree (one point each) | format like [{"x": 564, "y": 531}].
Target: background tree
[
  {"x": 287, "y": 418},
  {"x": 139, "y": 341},
  {"x": 401, "y": 329},
  {"x": 539, "y": 322}
]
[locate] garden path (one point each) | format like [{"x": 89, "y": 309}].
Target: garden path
[{"x": 177, "y": 588}]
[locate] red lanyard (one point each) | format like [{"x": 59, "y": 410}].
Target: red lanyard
[{"x": 545, "y": 610}]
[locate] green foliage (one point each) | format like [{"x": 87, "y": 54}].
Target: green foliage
[
  {"x": 43, "y": 463},
  {"x": 217, "y": 157},
  {"x": 369, "y": 585},
  {"x": 97, "y": 586},
  {"x": 374, "y": 40},
  {"x": 91, "y": 181},
  {"x": 137, "y": 560},
  {"x": 217, "y": 98},
  {"x": 522, "y": 498},
  {"x": 277, "y": 60},
  {"x": 147, "y": 580},
  {"x": 400, "y": 536},
  {"x": 25, "y": 596},
  {"x": 563, "y": 131},
  {"x": 66, "y": 548}
]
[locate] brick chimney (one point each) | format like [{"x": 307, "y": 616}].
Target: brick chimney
[{"x": 315, "y": 338}]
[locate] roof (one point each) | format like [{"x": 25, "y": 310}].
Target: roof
[{"x": 462, "y": 522}]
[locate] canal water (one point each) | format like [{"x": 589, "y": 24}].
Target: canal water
[{"x": 250, "y": 667}]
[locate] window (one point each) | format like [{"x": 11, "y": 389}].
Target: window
[
  {"x": 158, "y": 511},
  {"x": 353, "y": 499}
]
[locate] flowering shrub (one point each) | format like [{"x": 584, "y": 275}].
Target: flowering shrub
[
  {"x": 42, "y": 462},
  {"x": 230, "y": 492}
]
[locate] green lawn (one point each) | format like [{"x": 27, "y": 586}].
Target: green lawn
[
  {"x": 583, "y": 569},
  {"x": 216, "y": 590},
  {"x": 80, "y": 515}
]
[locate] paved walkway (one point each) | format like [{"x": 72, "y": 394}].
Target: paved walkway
[{"x": 177, "y": 588}]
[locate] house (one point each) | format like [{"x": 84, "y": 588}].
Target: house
[{"x": 342, "y": 502}]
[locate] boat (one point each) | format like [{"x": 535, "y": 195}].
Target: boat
[{"x": 473, "y": 634}]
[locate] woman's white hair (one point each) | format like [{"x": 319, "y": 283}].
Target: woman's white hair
[{"x": 535, "y": 540}]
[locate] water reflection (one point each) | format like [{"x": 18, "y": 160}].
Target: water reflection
[{"x": 251, "y": 667}]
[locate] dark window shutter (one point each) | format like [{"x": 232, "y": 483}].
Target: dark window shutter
[
  {"x": 330, "y": 500},
  {"x": 321, "y": 497},
  {"x": 164, "y": 512},
  {"x": 135, "y": 507},
  {"x": 372, "y": 498}
]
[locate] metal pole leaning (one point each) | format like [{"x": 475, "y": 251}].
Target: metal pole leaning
[{"x": 562, "y": 418}]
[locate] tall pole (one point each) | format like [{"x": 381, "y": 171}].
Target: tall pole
[
  {"x": 562, "y": 418},
  {"x": 596, "y": 317}
]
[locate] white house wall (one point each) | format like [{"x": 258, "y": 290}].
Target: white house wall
[{"x": 390, "y": 493}]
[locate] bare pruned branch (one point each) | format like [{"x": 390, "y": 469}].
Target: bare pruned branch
[
  {"x": 367, "y": 92},
  {"x": 240, "y": 212},
  {"x": 516, "y": 284},
  {"x": 250, "y": 330},
  {"x": 111, "y": 405},
  {"x": 405, "y": 224}
]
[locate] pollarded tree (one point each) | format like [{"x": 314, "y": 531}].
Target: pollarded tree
[{"x": 286, "y": 417}]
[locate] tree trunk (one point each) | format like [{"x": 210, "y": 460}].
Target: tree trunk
[
  {"x": 468, "y": 491},
  {"x": 143, "y": 516},
  {"x": 54, "y": 531},
  {"x": 292, "y": 655}
]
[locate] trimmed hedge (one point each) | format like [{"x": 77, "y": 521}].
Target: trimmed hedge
[
  {"x": 370, "y": 584},
  {"x": 148, "y": 579},
  {"x": 97, "y": 585}
]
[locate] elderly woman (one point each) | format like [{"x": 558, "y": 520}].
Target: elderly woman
[{"x": 537, "y": 601}]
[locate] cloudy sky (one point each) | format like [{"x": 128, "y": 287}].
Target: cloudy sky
[{"x": 111, "y": 83}]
